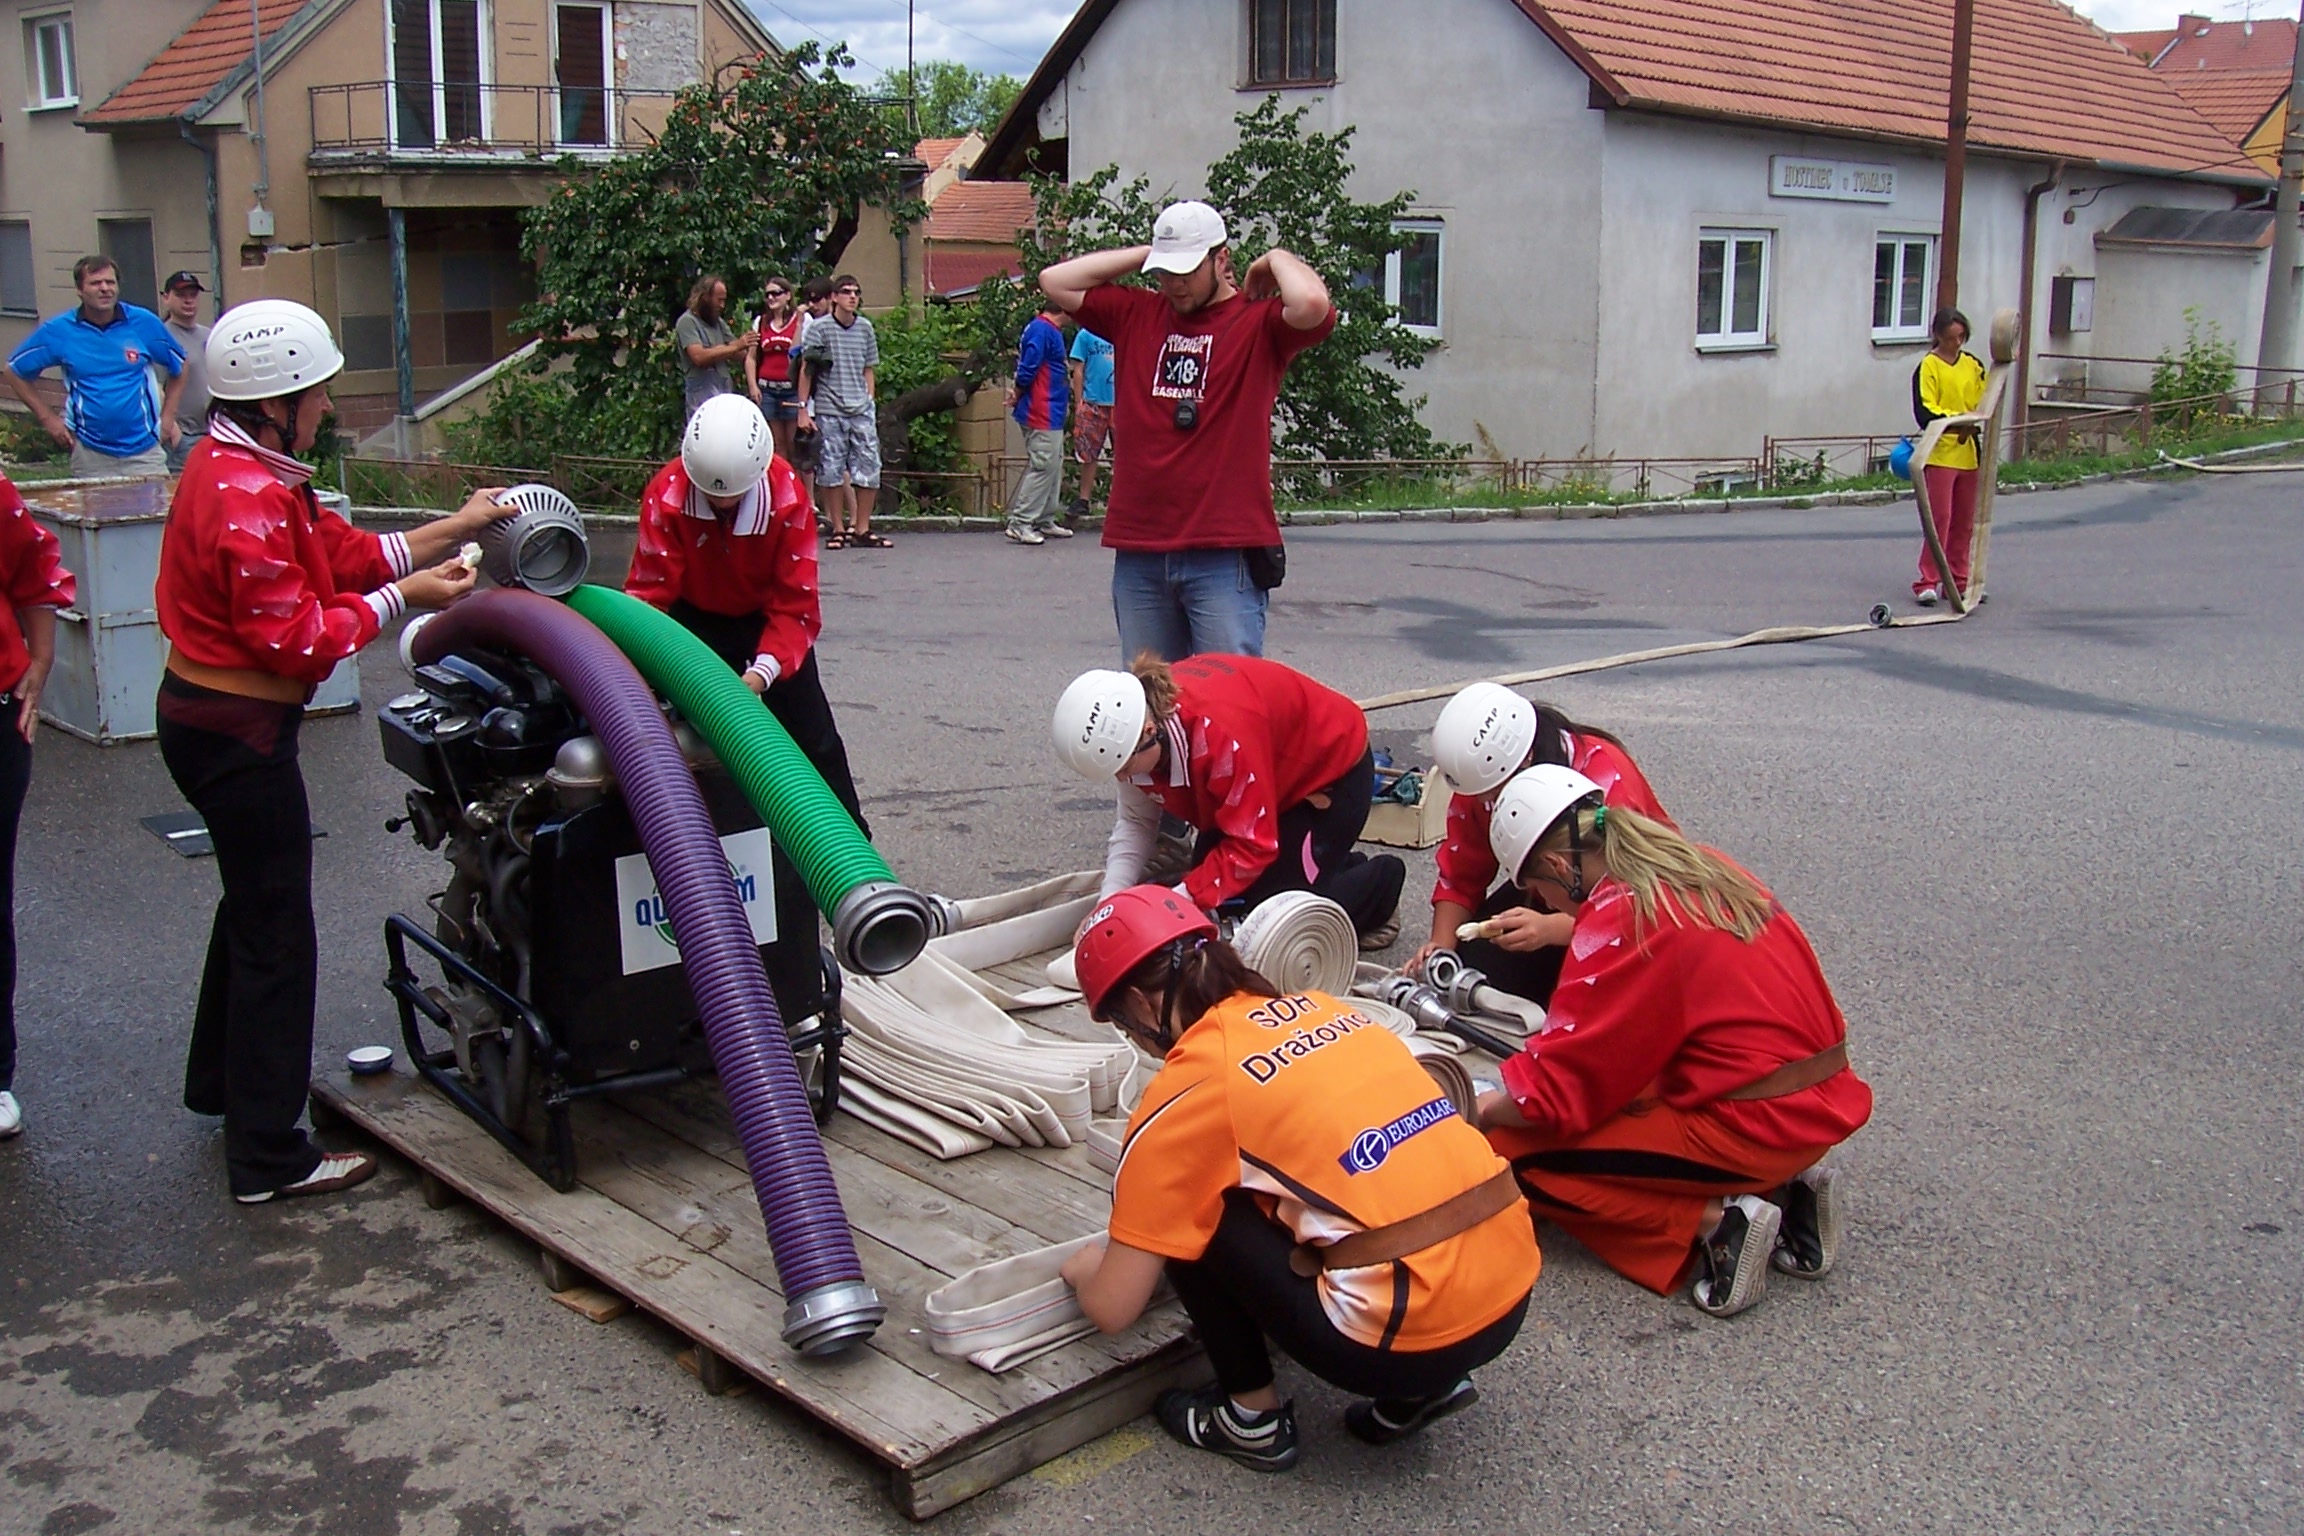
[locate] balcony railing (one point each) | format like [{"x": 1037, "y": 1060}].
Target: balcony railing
[{"x": 431, "y": 119}]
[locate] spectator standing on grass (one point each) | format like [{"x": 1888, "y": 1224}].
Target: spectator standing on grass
[
  {"x": 707, "y": 345},
  {"x": 1091, "y": 410},
  {"x": 1948, "y": 382},
  {"x": 1037, "y": 398},
  {"x": 180, "y": 305},
  {"x": 116, "y": 420},
  {"x": 837, "y": 399},
  {"x": 1198, "y": 364}
]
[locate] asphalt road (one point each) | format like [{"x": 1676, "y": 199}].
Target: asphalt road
[{"x": 2048, "y": 857}]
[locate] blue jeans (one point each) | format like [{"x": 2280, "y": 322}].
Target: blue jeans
[{"x": 1185, "y": 603}]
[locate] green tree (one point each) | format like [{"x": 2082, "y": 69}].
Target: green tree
[
  {"x": 952, "y": 98},
  {"x": 767, "y": 167},
  {"x": 1278, "y": 186}
]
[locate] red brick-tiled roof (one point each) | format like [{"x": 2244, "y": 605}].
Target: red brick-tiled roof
[
  {"x": 957, "y": 271},
  {"x": 217, "y": 42},
  {"x": 934, "y": 152},
  {"x": 2250, "y": 47},
  {"x": 2044, "y": 81},
  {"x": 2146, "y": 45},
  {"x": 983, "y": 211},
  {"x": 2237, "y": 104}
]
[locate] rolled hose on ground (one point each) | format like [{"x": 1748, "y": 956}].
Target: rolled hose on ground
[
  {"x": 827, "y": 1304},
  {"x": 878, "y": 926}
]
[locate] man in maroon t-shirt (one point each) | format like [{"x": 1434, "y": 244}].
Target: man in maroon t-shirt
[{"x": 1196, "y": 372}]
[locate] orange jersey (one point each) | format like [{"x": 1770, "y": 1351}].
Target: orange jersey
[{"x": 1316, "y": 1108}]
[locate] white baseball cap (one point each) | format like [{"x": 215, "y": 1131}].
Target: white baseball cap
[{"x": 1183, "y": 236}]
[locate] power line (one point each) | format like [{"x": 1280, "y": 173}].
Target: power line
[{"x": 838, "y": 42}]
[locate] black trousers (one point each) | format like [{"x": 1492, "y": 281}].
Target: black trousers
[
  {"x": 798, "y": 702},
  {"x": 15, "y": 779},
  {"x": 1316, "y": 854},
  {"x": 251, "y": 1054},
  {"x": 1531, "y": 974},
  {"x": 1241, "y": 1292}
]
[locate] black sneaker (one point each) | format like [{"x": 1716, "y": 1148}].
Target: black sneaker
[
  {"x": 1732, "y": 1264},
  {"x": 1385, "y": 1420},
  {"x": 1809, "y": 1240},
  {"x": 1206, "y": 1420}
]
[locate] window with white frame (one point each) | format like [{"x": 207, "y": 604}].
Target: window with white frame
[
  {"x": 49, "y": 67},
  {"x": 1900, "y": 271},
  {"x": 1732, "y": 287},
  {"x": 1412, "y": 275}
]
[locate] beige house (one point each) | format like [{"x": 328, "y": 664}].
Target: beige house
[{"x": 375, "y": 168}]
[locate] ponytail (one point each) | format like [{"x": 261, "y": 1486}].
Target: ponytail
[
  {"x": 1553, "y": 728},
  {"x": 1160, "y": 690},
  {"x": 1667, "y": 873}
]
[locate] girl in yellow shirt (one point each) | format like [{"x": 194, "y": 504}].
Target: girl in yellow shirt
[{"x": 1949, "y": 382}]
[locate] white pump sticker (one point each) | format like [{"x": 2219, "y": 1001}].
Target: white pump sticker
[{"x": 645, "y": 926}]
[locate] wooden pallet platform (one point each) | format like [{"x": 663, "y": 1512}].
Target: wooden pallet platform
[{"x": 664, "y": 1216}]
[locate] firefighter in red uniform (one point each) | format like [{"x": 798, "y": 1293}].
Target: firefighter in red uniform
[
  {"x": 261, "y": 593},
  {"x": 1485, "y": 735},
  {"x": 1693, "y": 1068},
  {"x": 728, "y": 547},
  {"x": 1272, "y": 769},
  {"x": 33, "y": 585}
]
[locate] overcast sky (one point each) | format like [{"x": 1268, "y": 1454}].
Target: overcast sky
[{"x": 1008, "y": 36}]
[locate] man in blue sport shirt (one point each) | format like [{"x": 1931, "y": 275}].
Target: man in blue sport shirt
[
  {"x": 1092, "y": 410},
  {"x": 115, "y": 421}
]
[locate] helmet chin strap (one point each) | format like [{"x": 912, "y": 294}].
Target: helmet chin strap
[
  {"x": 1164, "y": 1037},
  {"x": 1575, "y": 880}
]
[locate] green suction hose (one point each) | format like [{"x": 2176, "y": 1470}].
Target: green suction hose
[{"x": 878, "y": 926}]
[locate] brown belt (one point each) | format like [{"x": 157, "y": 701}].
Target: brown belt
[
  {"x": 1807, "y": 1072},
  {"x": 244, "y": 681},
  {"x": 1383, "y": 1245}
]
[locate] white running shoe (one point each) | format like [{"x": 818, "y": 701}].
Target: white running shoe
[
  {"x": 1018, "y": 535},
  {"x": 1927, "y": 597},
  {"x": 1056, "y": 531},
  {"x": 11, "y": 1115}
]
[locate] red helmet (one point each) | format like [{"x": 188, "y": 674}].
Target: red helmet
[{"x": 1126, "y": 930}]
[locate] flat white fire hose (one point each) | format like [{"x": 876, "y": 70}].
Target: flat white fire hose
[
  {"x": 999, "y": 1315},
  {"x": 933, "y": 1060}
]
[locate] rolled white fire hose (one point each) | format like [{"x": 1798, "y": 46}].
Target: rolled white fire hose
[{"x": 1300, "y": 943}]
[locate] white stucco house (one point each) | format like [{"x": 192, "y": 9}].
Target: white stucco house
[{"x": 1677, "y": 227}]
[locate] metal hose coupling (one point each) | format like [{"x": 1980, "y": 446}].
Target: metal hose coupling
[
  {"x": 1420, "y": 1002},
  {"x": 881, "y": 926},
  {"x": 943, "y": 915},
  {"x": 830, "y": 1318},
  {"x": 1457, "y": 983},
  {"x": 543, "y": 548}
]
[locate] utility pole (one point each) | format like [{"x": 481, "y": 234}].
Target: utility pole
[
  {"x": 2277, "y": 347},
  {"x": 1955, "y": 155}
]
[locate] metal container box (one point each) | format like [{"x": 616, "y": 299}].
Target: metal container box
[{"x": 109, "y": 649}]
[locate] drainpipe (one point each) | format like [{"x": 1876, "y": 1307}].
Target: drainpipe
[
  {"x": 2032, "y": 196},
  {"x": 260, "y": 222},
  {"x": 396, "y": 221},
  {"x": 207, "y": 148}
]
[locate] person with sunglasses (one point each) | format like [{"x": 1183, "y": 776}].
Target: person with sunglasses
[
  {"x": 1692, "y": 1073},
  {"x": 769, "y": 374},
  {"x": 1300, "y": 1180}
]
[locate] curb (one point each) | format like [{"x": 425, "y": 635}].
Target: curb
[{"x": 1562, "y": 513}]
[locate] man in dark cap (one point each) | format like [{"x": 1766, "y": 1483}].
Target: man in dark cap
[{"x": 180, "y": 312}]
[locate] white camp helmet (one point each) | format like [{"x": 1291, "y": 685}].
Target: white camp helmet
[
  {"x": 727, "y": 446},
  {"x": 270, "y": 347},
  {"x": 1530, "y": 802},
  {"x": 1483, "y": 736},
  {"x": 1098, "y": 722}
]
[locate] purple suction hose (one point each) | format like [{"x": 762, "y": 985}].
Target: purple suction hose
[{"x": 828, "y": 1305}]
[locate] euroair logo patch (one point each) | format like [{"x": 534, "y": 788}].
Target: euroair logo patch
[{"x": 1371, "y": 1147}]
